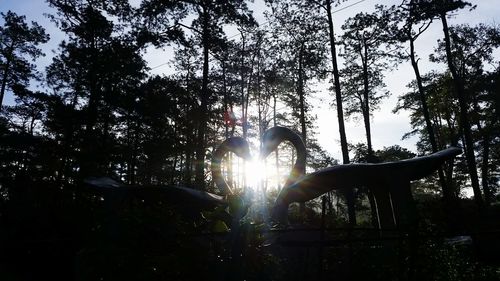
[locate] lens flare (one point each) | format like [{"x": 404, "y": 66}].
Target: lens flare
[{"x": 255, "y": 172}]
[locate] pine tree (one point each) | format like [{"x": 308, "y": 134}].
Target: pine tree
[{"x": 18, "y": 43}]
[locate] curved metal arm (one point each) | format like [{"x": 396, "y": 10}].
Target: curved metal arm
[
  {"x": 237, "y": 145},
  {"x": 273, "y": 137},
  {"x": 355, "y": 175}
]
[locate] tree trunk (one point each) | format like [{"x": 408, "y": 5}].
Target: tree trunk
[
  {"x": 484, "y": 169},
  {"x": 174, "y": 169},
  {"x": 485, "y": 133},
  {"x": 336, "y": 86},
  {"x": 242, "y": 85},
  {"x": 4, "y": 81},
  {"x": 203, "y": 110},
  {"x": 277, "y": 162},
  {"x": 244, "y": 103},
  {"x": 366, "y": 104},
  {"x": 135, "y": 149},
  {"x": 348, "y": 193},
  {"x": 89, "y": 164},
  {"x": 447, "y": 194},
  {"x": 465, "y": 125},
  {"x": 225, "y": 100},
  {"x": 300, "y": 91},
  {"x": 228, "y": 158}
]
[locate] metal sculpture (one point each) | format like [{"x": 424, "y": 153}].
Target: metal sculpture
[
  {"x": 188, "y": 201},
  {"x": 390, "y": 183},
  {"x": 237, "y": 145},
  {"x": 271, "y": 139},
  {"x": 178, "y": 195}
]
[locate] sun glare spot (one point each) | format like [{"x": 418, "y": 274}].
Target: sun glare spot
[{"x": 255, "y": 173}]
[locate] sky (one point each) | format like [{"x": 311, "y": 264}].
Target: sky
[{"x": 387, "y": 128}]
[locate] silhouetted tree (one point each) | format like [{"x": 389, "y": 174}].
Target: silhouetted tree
[
  {"x": 471, "y": 51},
  {"x": 206, "y": 27},
  {"x": 94, "y": 69},
  {"x": 300, "y": 34},
  {"x": 18, "y": 43},
  {"x": 441, "y": 9},
  {"x": 366, "y": 54}
]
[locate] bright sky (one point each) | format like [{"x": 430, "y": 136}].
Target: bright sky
[{"x": 387, "y": 128}]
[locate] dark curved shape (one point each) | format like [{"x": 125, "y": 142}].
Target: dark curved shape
[
  {"x": 272, "y": 138},
  {"x": 187, "y": 202},
  {"x": 173, "y": 195},
  {"x": 270, "y": 141},
  {"x": 353, "y": 175},
  {"x": 381, "y": 178},
  {"x": 237, "y": 145}
]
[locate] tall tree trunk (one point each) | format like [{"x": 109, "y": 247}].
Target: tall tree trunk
[
  {"x": 484, "y": 169},
  {"x": 300, "y": 91},
  {"x": 242, "y": 85},
  {"x": 228, "y": 158},
  {"x": 348, "y": 193},
  {"x": 188, "y": 149},
  {"x": 485, "y": 157},
  {"x": 447, "y": 194},
  {"x": 454, "y": 136},
  {"x": 366, "y": 103},
  {"x": 336, "y": 85},
  {"x": 88, "y": 165},
  {"x": 203, "y": 110},
  {"x": 464, "y": 121},
  {"x": 4, "y": 80},
  {"x": 174, "y": 169},
  {"x": 277, "y": 162},
  {"x": 225, "y": 100},
  {"x": 244, "y": 102},
  {"x": 365, "y": 108},
  {"x": 135, "y": 149},
  {"x": 188, "y": 163}
]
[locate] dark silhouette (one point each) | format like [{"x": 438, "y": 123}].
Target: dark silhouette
[
  {"x": 105, "y": 154},
  {"x": 382, "y": 179},
  {"x": 272, "y": 138},
  {"x": 19, "y": 42},
  {"x": 237, "y": 145}
]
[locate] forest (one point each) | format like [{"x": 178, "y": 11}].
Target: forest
[{"x": 96, "y": 117}]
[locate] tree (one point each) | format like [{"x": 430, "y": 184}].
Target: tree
[
  {"x": 187, "y": 65},
  {"x": 466, "y": 49},
  {"x": 440, "y": 9},
  {"x": 300, "y": 34},
  {"x": 365, "y": 42},
  {"x": 414, "y": 25},
  {"x": 18, "y": 43},
  {"x": 485, "y": 117},
  {"x": 471, "y": 50},
  {"x": 95, "y": 69},
  {"x": 443, "y": 109},
  {"x": 326, "y": 5},
  {"x": 207, "y": 29}
]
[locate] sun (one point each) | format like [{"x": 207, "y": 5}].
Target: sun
[{"x": 255, "y": 173}]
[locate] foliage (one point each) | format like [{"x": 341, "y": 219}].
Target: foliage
[
  {"x": 100, "y": 112},
  {"x": 18, "y": 42}
]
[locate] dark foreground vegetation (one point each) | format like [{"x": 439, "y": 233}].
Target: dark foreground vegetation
[
  {"x": 98, "y": 111},
  {"x": 49, "y": 233}
]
